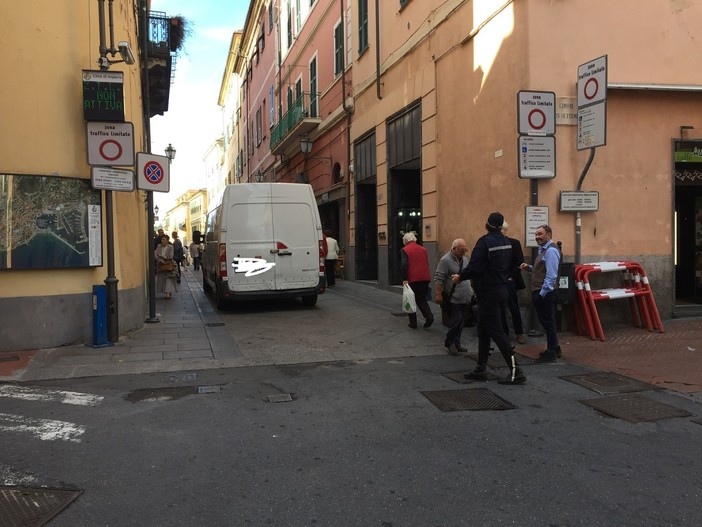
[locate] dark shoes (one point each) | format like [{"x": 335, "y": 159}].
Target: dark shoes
[
  {"x": 547, "y": 356},
  {"x": 516, "y": 376},
  {"x": 413, "y": 326},
  {"x": 461, "y": 348},
  {"x": 428, "y": 322},
  {"x": 478, "y": 374},
  {"x": 452, "y": 349}
]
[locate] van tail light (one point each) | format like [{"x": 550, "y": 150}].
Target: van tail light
[
  {"x": 222, "y": 258},
  {"x": 321, "y": 257}
]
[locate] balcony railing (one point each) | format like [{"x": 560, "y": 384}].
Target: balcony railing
[{"x": 303, "y": 111}]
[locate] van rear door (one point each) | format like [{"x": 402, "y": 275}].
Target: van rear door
[
  {"x": 250, "y": 235},
  {"x": 297, "y": 245}
]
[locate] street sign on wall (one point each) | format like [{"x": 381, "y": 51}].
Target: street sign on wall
[
  {"x": 110, "y": 144},
  {"x": 579, "y": 201},
  {"x": 535, "y": 217},
  {"x": 592, "y": 126},
  {"x": 103, "y": 95},
  {"x": 153, "y": 172},
  {"x": 592, "y": 82},
  {"x": 537, "y": 157},
  {"x": 536, "y": 112},
  {"x": 106, "y": 178}
]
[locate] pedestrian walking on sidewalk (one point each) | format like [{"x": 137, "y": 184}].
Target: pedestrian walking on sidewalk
[
  {"x": 195, "y": 250},
  {"x": 489, "y": 267},
  {"x": 330, "y": 258},
  {"x": 165, "y": 267},
  {"x": 544, "y": 274},
  {"x": 514, "y": 284},
  {"x": 178, "y": 255},
  {"x": 414, "y": 268},
  {"x": 452, "y": 298}
]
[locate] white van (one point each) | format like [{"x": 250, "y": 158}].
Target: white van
[{"x": 264, "y": 240}]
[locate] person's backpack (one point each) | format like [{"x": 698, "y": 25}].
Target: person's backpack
[{"x": 177, "y": 250}]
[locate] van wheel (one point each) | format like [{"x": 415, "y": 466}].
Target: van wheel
[
  {"x": 309, "y": 301},
  {"x": 222, "y": 303},
  {"x": 206, "y": 287}
]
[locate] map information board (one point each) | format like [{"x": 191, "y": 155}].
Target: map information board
[{"x": 49, "y": 223}]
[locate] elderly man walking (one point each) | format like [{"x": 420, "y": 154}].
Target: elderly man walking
[{"x": 452, "y": 297}]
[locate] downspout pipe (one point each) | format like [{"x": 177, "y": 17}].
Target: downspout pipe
[
  {"x": 348, "y": 111},
  {"x": 377, "y": 49}
]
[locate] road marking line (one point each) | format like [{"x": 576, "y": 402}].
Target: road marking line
[
  {"x": 35, "y": 394},
  {"x": 45, "y": 429}
]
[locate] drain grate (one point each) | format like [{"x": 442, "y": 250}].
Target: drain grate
[
  {"x": 214, "y": 324},
  {"x": 32, "y": 507},
  {"x": 280, "y": 398},
  {"x": 182, "y": 377},
  {"x": 457, "y": 376},
  {"x": 471, "y": 399},
  {"x": 635, "y": 408},
  {"x": 9, "y": 358},
  {"x": 608, "y": 383}
]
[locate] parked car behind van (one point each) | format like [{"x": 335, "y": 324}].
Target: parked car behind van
[{"x": 264, "y": 240}]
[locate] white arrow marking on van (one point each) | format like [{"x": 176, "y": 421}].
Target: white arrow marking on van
[
  {"x": 44, "y": 429},
  {"x": 33, "y": 394},
  {"x": 251, "y": 266}
]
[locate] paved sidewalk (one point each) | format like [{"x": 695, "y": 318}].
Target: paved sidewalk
[{"x": 188, "y": 337}]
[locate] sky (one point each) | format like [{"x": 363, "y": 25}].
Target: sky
[{"x": 193, "y": 121}]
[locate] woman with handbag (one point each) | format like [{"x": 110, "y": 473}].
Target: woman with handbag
[{"x": 165, "y": 268}]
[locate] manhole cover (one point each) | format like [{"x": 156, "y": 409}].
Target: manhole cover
[
  {"x": 182, "y": 377},
  {"x": 457, "y": 376},
  {"x": 32, "y": 507},
  {"x": 473, "y": 399},
  {"x": 607, "y": 383},
  {"x": 635, "y": 408},
  {"x": 214, "y": 324}
]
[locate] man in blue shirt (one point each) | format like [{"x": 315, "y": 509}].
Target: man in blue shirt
[{"x": 544, "y": 274}]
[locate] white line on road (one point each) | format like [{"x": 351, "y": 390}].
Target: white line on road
[
  {"x": 35, "y": 394},
  {"x": 45, "y": 429}
]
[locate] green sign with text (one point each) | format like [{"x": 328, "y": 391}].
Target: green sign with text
[{"x": 103, "y": 95}]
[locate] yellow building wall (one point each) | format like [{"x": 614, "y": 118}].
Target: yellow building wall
[{"x": 43, "y": 51}]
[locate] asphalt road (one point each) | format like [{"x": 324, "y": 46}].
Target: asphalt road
[{"x": 356, "y": 444}]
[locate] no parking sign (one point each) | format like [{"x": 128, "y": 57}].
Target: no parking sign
[{"x": 152, "y": 172}]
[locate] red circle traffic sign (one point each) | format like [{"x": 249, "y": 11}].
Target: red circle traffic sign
[
  {"x": 106, "y": 143},
  {"x": 534, "y": 123},
  {"x": 587, "y": 88},
  {"x": 153, "y": 172}
]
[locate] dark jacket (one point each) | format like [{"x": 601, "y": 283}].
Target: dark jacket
[
  {"x": 491, "y": 262},
  {"x": 517, "y": 256}
]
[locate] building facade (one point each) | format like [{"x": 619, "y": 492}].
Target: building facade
[{"x": 61, "y": 228}]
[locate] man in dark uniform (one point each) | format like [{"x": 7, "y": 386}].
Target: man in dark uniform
[{"x": 490, "y": 265}]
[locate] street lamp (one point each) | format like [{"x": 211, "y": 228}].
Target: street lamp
[
  {"x": 305, "y": 145},
  {"x": 170, "y": 152},
  {"x": 156, "y": 210}
]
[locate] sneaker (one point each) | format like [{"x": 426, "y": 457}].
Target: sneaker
[
  {"x": 547, "y": 356},
  {"x": 478, "y": 374},
  {"x": 522, "y": 339},
  {"x": 516, "y": 376}
]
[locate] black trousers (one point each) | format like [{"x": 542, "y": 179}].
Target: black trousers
[
  {"x": 420, "y": 289},
  {"x": 491, "y": 302}
]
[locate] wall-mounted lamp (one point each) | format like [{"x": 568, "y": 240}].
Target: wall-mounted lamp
[
  {"x": 305, "y": 145},
  {"x": 170, "y": 152},
  {"x": 156, "y": 210}
]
